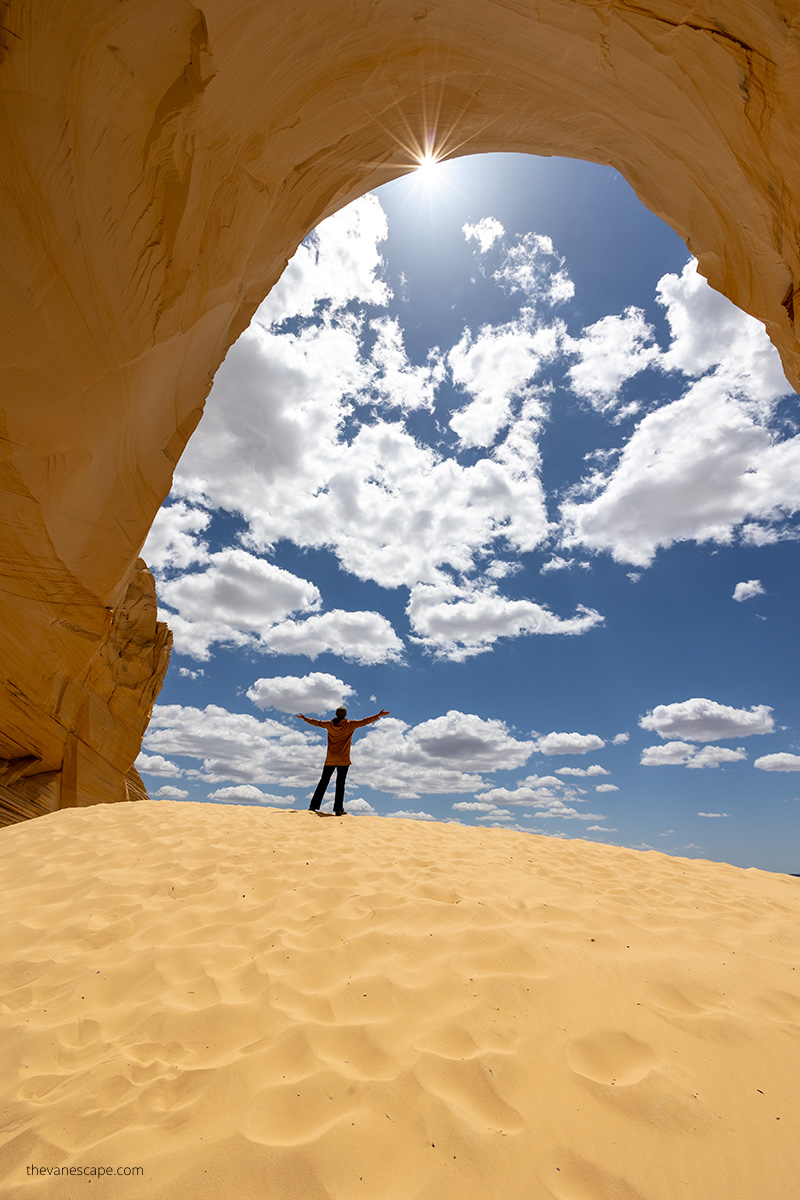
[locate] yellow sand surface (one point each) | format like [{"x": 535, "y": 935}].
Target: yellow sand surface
[{"x": 252, "y": 1003}]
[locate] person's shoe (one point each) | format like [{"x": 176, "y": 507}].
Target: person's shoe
[{"x": 339, "y": 814}]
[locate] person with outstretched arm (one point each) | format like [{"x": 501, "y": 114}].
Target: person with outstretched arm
[{"x": 340, "y": 735}]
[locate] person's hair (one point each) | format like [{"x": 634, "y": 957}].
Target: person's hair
[{"x": 341, "y": 713}]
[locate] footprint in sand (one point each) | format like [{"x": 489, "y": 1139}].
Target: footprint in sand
[{"x": 611, "y": 1057}]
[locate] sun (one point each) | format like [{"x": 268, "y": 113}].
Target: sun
[{"x": 426, "y": 168}]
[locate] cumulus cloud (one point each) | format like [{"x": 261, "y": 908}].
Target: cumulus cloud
[
  {"x": 315, "y": 692},
  {"x": 569, "y": 743},
  {"x": 701, "y": 720},
  {"x": 541, "y": 793},
  {"x": 556, "y": 808},
  {"x": 595, "y": 769},
  {"x": 457, "y": 622},
  {"x": 683, "y": 754},
  {"x": 235, "y": 747},
  {"x": 245, "y": 793},
  {"x": 173, "y": 542},
  {"x": 556, "y": 563},
  {"x": 747, "y": 589},
  {"x": 281, "y": 444},
  {"x": 494, "y": 366},
  {"x": 472, "y": 741},
  {"x": 167, "y": 792},
  {"x": 606, "y": 787},
  {"x": 397, "y": 381},
  {"x": 236, "y": 599},
  {"x": 709, "y": 332},
  {"x": 156, "y": 764},
  {"x": 485, "y": 232},
  {"x": 411, "y": 816},
  {"x": 338, "y": 263},
  {"x": 620, "y": 739},
  {"x": 694, "y": 469},
  {"x": 703, "y": 466},
  {"x": 532, "y": 266},
  {"x": 444, "y": 755},
  {"x": 362, "y": 637},
  {"x": 610, "y": 352},
  {"x": 778, "y": 762}
]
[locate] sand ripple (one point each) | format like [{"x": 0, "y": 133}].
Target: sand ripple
[{"x": 256, "y": 1003}]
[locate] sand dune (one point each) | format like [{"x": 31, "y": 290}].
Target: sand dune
[{"x": 258, "y": 1003}]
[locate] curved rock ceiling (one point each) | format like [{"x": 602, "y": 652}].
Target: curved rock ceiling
[{"x": 161, "y": 162}]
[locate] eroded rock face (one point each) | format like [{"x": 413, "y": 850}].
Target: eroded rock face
[{"x": 161, "y": 162}]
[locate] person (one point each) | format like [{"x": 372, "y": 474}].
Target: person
[{"x": 340, "y": 735}]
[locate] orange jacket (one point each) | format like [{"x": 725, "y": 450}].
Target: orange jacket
[{"x": 339, "y": 738}]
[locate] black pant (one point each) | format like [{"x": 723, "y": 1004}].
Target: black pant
[{"x": 338, "y": 800}]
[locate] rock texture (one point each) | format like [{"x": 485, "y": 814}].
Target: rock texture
[{"x": 160, "y": 162}]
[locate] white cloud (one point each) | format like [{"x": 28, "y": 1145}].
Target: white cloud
[
  {"x": 557, "y": 808},
  {"x": 778, "y": 762},
  {"x": 236, "y": 599},
  {"x": 411, "y": 816},
  {"x": 485, "y": 232},
  {"x": 315, "y": 692},
  {"x": 600, "y": 829},
  {"x": 532, "y": 266},
  {"x": 712, "y": 756},
  {"x": 167, "y": 792},
  {"x": 156, "y": 764},
  {"x": 705, "y": 814},
  {"x": 610, "y": 352},
  {"x": 236, "y": 746},
  {"x": 705, "y": 464},
  {"x": 397, "y": 381},
  {"x": 539, "y": 792},
  {"x": 548, "y": 781},
  {"x": 494, "y": 366},
  {"x": 457, "y": 622},
  {"x": 482, "y": 806},
  {"x": 671, "y": 754},
  {"x": 694, "y": 469},
  {"x": 569, "y": 743},
  {"x": 475, "y": 743},
  {"x": 708, "y": 331},
  {"x": 172, "y": 541},
  {"x": 245, "y": 793},
  {"x": 444, "y": 755},
  {"x": 337, "y": 264},
  {"x": 747, "y": 589},
  {"x": 606, "y": 787},
  {"x": 555, "y": 564},
  {"x": 701, "y": 720},
  {"x": 362, "y": 637},
  {"x": 682, "y": 754},
  {"x": 522, "y": 795},
  {"x": 620, "y": 739},
  {"x": 595, "y": 769},
  {"x": 359, "y": 807}
]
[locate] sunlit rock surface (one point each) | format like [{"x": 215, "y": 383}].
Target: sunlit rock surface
[{"x": 159, "y": 165}]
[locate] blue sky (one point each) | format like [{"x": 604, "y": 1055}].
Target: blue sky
[{"x": 494, "y": 457}]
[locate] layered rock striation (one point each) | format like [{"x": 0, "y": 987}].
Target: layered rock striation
[{"x": 160, "y": 162}]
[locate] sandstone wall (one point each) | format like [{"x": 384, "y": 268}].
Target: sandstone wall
[{"x": 160, "y": 162}]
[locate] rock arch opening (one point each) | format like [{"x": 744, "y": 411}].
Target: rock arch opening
[{"x": 161, "y": 163}]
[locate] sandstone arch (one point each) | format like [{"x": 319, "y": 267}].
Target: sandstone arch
[{"x": 160, "y": 162}]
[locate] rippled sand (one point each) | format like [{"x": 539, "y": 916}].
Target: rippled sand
[{"x": 254, "y": 1003}]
